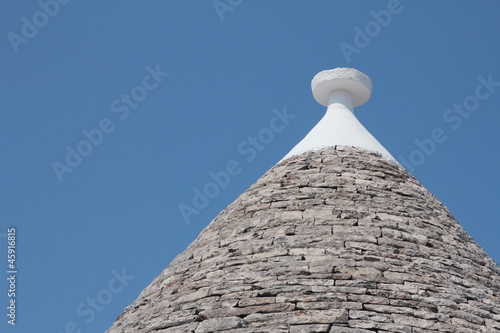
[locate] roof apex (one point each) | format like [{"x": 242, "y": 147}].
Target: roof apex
[{"x": 340, "y": 89}]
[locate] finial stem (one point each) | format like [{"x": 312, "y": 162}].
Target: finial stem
[{"x": 341, "y": 98}]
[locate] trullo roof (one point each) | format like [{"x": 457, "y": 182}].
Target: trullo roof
[{"x": 335, "y": 238}]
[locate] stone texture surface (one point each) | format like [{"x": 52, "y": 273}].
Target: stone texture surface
[{"x": 337, "y": 240}]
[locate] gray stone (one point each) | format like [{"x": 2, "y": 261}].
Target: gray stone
[{"x": 218, "y": 324}]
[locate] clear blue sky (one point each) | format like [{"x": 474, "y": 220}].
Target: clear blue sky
[{"x": 103, "y": 65}]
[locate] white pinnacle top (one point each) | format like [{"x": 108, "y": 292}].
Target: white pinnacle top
[{"x": 340, "y": 89}]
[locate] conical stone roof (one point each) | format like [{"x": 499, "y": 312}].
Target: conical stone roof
[{"x": 339, "y": 240}]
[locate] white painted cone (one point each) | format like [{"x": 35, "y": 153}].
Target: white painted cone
[{"x": 341, "y": 89}]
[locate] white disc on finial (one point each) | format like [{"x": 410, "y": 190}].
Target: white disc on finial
[{"x": 349, "y": 79}]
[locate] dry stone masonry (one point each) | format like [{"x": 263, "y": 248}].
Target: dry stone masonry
[{"x": 337, "y": 240}]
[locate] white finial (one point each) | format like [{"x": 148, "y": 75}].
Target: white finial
[
  {"x": 348, "y": 79},
  {"x": 340, "y": 89}
]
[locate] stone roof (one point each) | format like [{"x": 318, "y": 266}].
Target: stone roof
[{"x": 337, "y": 240}]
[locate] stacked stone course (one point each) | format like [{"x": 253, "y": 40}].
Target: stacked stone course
[{"x": 338, "y": 240}]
